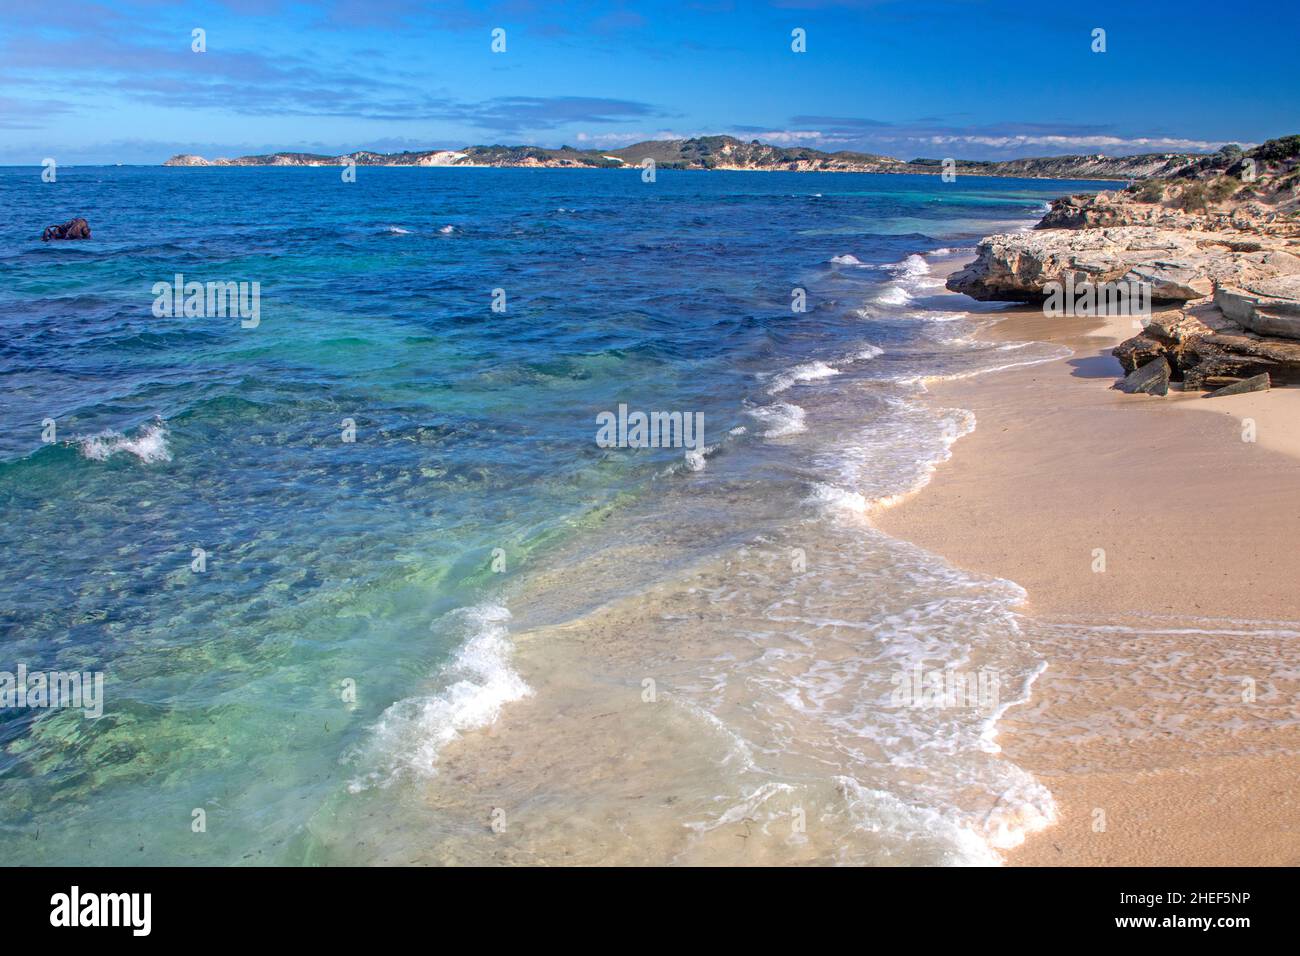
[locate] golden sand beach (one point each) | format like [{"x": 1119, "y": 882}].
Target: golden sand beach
[{"x": 1175, "y": 766}]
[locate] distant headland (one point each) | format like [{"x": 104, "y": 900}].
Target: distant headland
[{"x": 727, "y": 152}]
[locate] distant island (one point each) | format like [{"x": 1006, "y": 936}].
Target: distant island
[{"x": 727, "y": 152}]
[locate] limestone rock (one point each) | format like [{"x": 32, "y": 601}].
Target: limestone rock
[
  {"x": 1202, "y": 345},
  {"x": 1181, "y": 266},
  {"x": 1200, "y": 227},
  {"x": 1267, "y": 306},
  {"x": 1151, "y": 379},
  {"x": 1140, "y": 350},
  {"x": 1256, "y": 383},
  {"x": 1171, "y": 281}
]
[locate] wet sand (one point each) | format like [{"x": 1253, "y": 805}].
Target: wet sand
[{"x": 1166, "y": 723}]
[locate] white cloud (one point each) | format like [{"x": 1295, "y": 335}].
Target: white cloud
[{"x": 1153, "y": 144}]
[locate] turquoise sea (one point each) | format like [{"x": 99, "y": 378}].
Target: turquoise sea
[{"x": 302, "y": 554}]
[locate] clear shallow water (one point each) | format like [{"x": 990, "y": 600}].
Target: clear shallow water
[{"x": 371, "y": 561}]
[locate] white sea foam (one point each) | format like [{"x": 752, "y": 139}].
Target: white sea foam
[
  {"x": 847, "y": 259},
  {"x": 1050, "y": 354},
  {"x": 926, "y": 315},
  {"x": 890, "y": 460},
  {"x": 892, "y": 294},
  {"x": 745, "y": 808},
  {"x": 805, "y": 372},
  {"x": 398, "y": 231},
  {"x": 693, "y": 459},
  {"x": 834, "y": 498},
  {"x": 447, "y": 230},
  {"x": 149, "y": 444},
  {"x": 867, "y": 351},
  {"x": 474, "y": 686},
  {"x": 816, "y": 369},
  {"x": 935, "y": 315},
  {"x": 989, "y": 735},
  {"x": 877, "y": 810},
  {"x": 778, "y": 419},
  {"x": 913, "y": 265},
  {"x": 739, "y": 751}
]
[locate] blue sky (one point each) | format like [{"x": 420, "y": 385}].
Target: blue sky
[{"x": 117, "y": 81}]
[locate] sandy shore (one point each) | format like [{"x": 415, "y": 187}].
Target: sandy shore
[{"x": 1166, "y": 722}]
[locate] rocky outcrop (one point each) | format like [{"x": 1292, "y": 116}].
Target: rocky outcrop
[
  {"x": 1220, "y": 238},
  {"x": 1125, "y": 209},
  {"x": 1180, "y": 266},
  {"x": 72, "y": 229},
  {"x": 1267, "y": 306},
  {"x": 1096, "y": 166},
  {"x": 1207, "y": 350},
  {"x": 1150, "y": 379}
]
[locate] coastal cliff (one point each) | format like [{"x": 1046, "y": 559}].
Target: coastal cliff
[
  {"x": 1219, "y": 239},
  {"x": 725, "y": 152}
]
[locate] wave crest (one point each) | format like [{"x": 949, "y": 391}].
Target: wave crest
[{"x": 149, "y": 445}]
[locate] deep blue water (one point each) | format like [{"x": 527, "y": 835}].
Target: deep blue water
[{"x": 332, "y": 561}]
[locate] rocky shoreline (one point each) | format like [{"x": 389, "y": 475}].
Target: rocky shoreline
[{"x": 1217, "y": 245}]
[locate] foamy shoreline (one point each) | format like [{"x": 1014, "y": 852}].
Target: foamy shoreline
[
  {"x": 766, "y": 690},
  {"x": 771, "y": 630},
  {"x": 1146, "y": 767}
]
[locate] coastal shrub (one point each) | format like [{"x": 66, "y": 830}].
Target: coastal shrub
[
  {"x": 1230, "y": 153},
  {"x": 1192, "y": 198},
  {"x": 1222, "y": 188},
  {"x": 1277, "y": 150},
  {"x": 1149, "y": 190}
]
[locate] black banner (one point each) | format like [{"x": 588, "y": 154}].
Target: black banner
[{"x": 960, "y": 906}]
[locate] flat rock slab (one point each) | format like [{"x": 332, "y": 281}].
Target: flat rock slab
[
  {"x": 1151, "y": 379},
  {"x": 1256, "y": 383},
  {"x": 1179, "y": 265},
  {"x": 1171, "y": 280},
  {"x": 1276, "y": 287}
]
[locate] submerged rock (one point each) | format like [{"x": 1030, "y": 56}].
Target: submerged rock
[
  {"x": 1152, "y": 378},
  {"x": 72, "y": 229}
]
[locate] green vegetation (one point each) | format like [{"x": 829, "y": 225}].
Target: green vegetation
[
  {"x": 508, "y": 155},
  {"x": 1193, "y": 198},
  {"x": 1277, "y": 150},
  {"x": 1149, "y": 190},
  {"x": 1223, "y": 187},
  {"x": 710, "y": 152}
]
